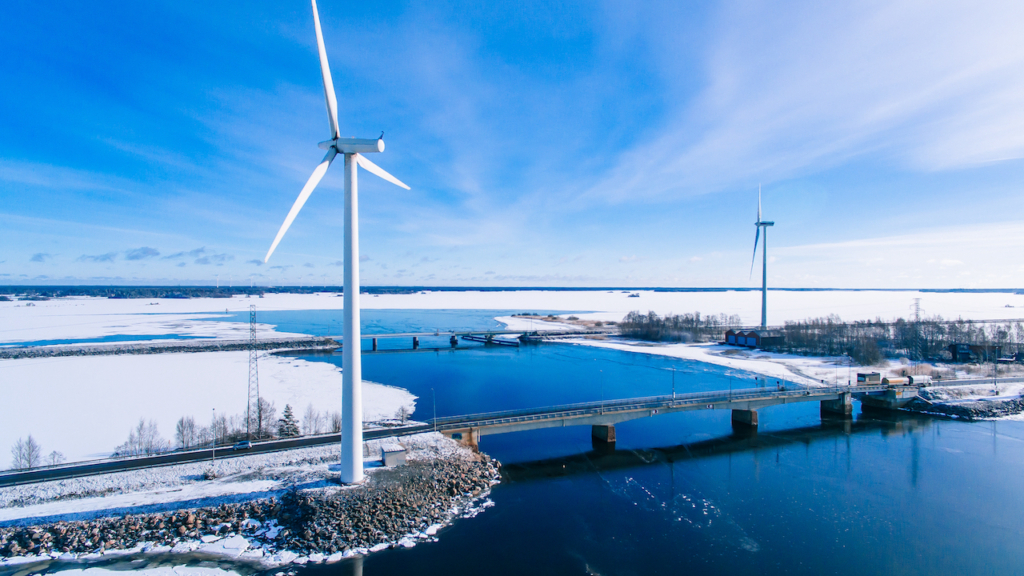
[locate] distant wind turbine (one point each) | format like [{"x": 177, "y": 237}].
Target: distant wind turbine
[
  {"x": 353, "y": 150},
  {"x": 764, "y": 266}
]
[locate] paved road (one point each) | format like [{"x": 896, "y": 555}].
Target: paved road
[{"x": 121, "y": 465}]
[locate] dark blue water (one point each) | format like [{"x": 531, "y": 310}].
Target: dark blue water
[
  {"x": 329, "y": 322},
  {"x": 102, "y": 339}
]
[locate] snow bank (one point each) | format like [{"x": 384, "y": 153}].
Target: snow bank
[
  {"x": 529, "y": 324},
  {"x": 160, "y": 571},
  {"x": 84, "y": 406},
  {"x": 809, "y": 371}
]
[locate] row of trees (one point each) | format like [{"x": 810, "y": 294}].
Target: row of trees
[
  {"x": 869, "y": 341},
  {"x": 677, "y": 328},
  {"x": 145, "y": 439},
  {"x": 265, "y": 424},
  {"x": 27, "y": 454},
  {"x": 262, "y": 423}
]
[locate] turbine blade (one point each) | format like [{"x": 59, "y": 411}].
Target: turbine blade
[
  {"x": 325, "y": 71},
  {"x": 318, "y": 174},
  {"x": 378, "y": 171},
  {"x": 753, "y": 259},
  {"x": 758, "y": 202}
]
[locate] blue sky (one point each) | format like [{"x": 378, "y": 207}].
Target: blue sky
[{"x": 547, "y": 144}]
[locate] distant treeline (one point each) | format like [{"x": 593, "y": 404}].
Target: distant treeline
[
  {"x": 677, "y": 328},
  {"x": 224, "y": 292},
  {"x": 866, "y": 342},
  {"x": 36, "y": 293},
  {"x": 926, "y": 339}
]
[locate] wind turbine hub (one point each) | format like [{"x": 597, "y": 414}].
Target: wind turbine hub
[{"x": 354, "y": 145}]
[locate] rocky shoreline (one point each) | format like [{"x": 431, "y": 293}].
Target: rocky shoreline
[
  {"x": 277, "y": 344},
  {"x": 394, "y": 507},
  {"x": 973, "y": 410}
]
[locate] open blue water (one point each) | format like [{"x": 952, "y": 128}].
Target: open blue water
[
  {"x": 886, "y": 493},
  {"x": 329, "y": 322}
]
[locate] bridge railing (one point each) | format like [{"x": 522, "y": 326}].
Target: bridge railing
[{"x": 689, "y": 398}]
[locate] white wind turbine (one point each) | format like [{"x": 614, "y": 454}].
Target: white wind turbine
[
  {"x": 764, "y": 266},
  {"x": 353, "y": 150}
]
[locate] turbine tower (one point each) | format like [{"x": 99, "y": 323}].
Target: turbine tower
[
  {"x": 764, "y": 265},
  {"x": 353, "y": 150}
]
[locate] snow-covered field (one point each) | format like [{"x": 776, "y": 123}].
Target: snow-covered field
[{"x": 85, "y": 406}]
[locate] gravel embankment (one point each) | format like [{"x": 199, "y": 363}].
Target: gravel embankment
[
  {"x": 167, "y": 347},
  {"x": 392, "y": 504},
  {"x": 970, "y": 410}
]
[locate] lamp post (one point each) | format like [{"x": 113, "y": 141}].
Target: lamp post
[{"x": 213, "y": 437}]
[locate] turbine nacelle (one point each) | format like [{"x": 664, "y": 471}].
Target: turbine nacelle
[{"x": 354, "y": 145}]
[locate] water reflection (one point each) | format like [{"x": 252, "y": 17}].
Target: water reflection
[{"x": 604, "y": 457}]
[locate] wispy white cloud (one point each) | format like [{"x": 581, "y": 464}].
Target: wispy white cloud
[
  {"x": 141, "y": 253},
  {"x": 929, "y": 85},
  {"x": 108, "y": 257},
  {"x": 942, "y": 257},
  {"x": 59, "y": 177}
]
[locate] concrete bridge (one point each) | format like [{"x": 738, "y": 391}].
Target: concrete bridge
[
  {"x": 483, "y": 336},
  {"x": 600, "y": 415},
  {"x": 603, "y": 415}
]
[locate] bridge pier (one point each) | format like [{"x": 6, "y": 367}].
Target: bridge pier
[
  {"x": 468, "y": 437},
  {"x": 892, "y": 399},
  {"x": 744, "y": 419},
  {"x": 841, "y": 407},
  {"x": 603, "y": 433},
  {"x": 453, "y": 341},
  {"x": 415, "y": 343},
  {"x": 374, "y": 344}
]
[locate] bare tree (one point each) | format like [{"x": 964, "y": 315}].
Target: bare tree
[
  {"x": 144, "y": 439},
  {"x": 268, "y": 419},
  {"x": 26, "y": 454},
  {"x": 335, "y": 422},
  {"x": 203, "y": 436},
  {"x": 312, "y": 421},
  {"x": 55, "y": 458},
  {"x": 403, "y": 414},
  {"x": 185, "y": 432},
  {"x": 235, "y": 427},
  {"x": 219, "y": 428}
]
